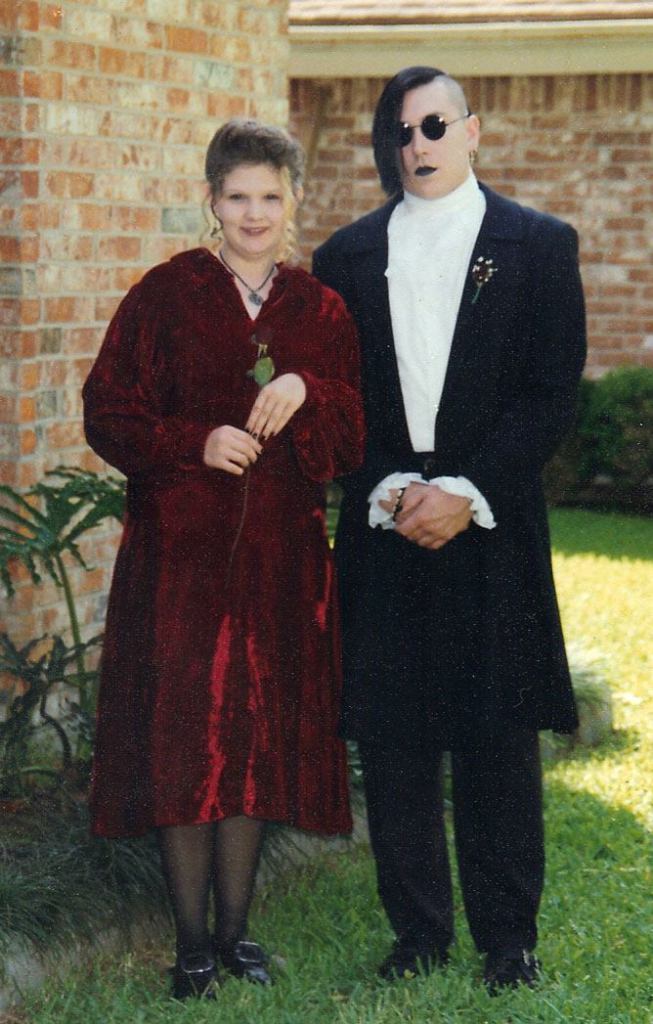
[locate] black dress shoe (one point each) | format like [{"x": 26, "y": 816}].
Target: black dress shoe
[
  {"x": 406, "y": 960},
  {"x": 194, "y": 976},
  {"x": 508, "y": 968},
  {"x": 247, "y": 960}
]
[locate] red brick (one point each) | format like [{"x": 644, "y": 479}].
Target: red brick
[
  {"x": 163, "y": 67},
  {"x": 67, "y": 247},
  {"x": 144, "y": 35},
  {"x": 177, "y": 99},
  {"x": 625, "y": 224},
  {"x": 89, "y": 460},
  {"x": 44, "y": 85},
  {"x": 122, "y": 62},
  {"x": 631, "y": 156},
  {"x": 644, "y": 274},
  {"x": 51, "y": 16},
  {"x": 29, "y": 376},
  {"x": 10, "y": 249},
  {"x": 623, "y": 138},
  {"x": 68, "y": 309},
  {"x": 125, "y": 277},
  {"x": 19, "y": 151},
  {"x": 55, "y": 373},
  {"x": 8, "y": 409},
  {"x": 185, "y": 40},
  {"x": 236, "y": 49},
  {"x": 216, "y": 15},
  {"x": 105, "y": 307},
  {"x": 123, "y": 247},
  {"x": 27, "y": 475},
  {"x": 9, "y": 337},
  {"x": 91, "y": 89},
  {"x": 29, "y": 182},
  {"x": 135, "y": 218},
  {"x": 9, "y": 83},
  {"x": 26, "y": 409},
  {"x": 87, "y": 217},
  {"x": 67, "y": 54},
  {"x": 23, "y": 14},
  {"x": 69, "y": 184},
  {"x": 30, "y": 311},
  {"x": 28, "y": 442},
  {"x": 8, "y": 473},
  {"x": 11, "y": 117},
  {"x": 82, "y": 340},
  {"x": 220, "y": 105},
  {"x": 64, "y": 435},
  {"x": 47, "y": 216}
]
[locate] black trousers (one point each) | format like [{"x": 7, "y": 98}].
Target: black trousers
[{"x": 497, "y": 797}]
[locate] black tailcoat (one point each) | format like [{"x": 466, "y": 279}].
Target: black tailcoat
[{"x": 475, "y": 623}]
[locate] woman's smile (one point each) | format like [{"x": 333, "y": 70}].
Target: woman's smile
[{"x": 251, "y": 209}]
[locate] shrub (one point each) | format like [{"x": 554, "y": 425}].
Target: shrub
[
  {"x": 617, "y": 428},
  {"x": 608, "y": 458}
]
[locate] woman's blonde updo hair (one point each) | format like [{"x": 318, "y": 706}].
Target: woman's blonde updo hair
[{"x": 241, "y": 141}]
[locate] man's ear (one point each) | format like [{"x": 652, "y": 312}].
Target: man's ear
[{"x": 473, "y": 128}]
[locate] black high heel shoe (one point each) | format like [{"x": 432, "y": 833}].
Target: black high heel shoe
[
  {"x": 194, "y": 976},
  {"x": 246, "y": 960}
]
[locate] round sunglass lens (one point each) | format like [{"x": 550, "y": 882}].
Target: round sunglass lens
[
  {"x": 404, "y": 134},
  {"x": 433, "y": 127}
]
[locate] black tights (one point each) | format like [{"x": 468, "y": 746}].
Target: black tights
[{"x": 223, "y": 854}]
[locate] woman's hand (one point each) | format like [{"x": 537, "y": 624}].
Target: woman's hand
[
  {"x": 231, "y": 449},
  {"x": 275, "y": 404}
]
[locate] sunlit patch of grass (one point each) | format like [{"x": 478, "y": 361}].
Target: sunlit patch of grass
[{"x": 606, "y": 603}]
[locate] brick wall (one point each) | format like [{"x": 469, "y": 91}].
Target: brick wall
[
  {"x": 578, "y": 147},
  {"x": 106, "y": 109}
]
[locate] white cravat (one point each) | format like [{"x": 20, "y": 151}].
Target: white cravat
[{"x": 430, "y": 244}]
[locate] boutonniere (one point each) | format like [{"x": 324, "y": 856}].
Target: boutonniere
[
  {"x": 482, "y": 271},
  {"x": 263, "y": 369}
]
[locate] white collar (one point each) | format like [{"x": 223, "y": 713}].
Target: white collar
[{"x": 465, "y": 195}]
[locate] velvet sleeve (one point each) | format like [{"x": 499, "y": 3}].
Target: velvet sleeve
[
  {"x": 328, "y": 430},
  {"x": 536, "y": 417},
  {"x": 125, "y": 395}
]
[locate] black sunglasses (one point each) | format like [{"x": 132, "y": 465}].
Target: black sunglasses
[{"x": 432, "y": 127}]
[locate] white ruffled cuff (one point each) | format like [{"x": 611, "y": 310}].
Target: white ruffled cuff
[
  {"x": 481, "y": 511},
  {"x": 460, "y": 485},
  {"x": 377, "y": 515}
]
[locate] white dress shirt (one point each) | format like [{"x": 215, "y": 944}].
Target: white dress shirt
[{"x": 430, "y": 244}]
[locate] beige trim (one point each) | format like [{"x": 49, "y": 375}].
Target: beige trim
[{"x": 499, "y": 48}]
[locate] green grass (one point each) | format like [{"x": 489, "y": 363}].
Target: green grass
[{"x": 597, "y": 915}]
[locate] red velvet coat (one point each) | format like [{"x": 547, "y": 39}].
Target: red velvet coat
[{"x": 220, "y": 673}]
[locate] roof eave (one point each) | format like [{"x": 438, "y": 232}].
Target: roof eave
[{"x": 469, "y": 49}]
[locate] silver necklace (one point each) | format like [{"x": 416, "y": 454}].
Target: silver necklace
[{"x": 252, "y": 292}]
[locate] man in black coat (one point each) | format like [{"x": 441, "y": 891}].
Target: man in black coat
[{"x": 471, "y": 320}]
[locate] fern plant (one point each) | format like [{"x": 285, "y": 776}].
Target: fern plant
[{"x": 41, "y": 530}]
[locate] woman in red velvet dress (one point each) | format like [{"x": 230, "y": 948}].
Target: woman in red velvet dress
[{"x": 227, "y": 392}]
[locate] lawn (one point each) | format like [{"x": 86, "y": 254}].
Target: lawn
[{"x": 597, "y": 914}]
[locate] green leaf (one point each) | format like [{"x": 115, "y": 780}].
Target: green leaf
[
  {"x": 74, "y": 502},
  {"x": 263, "y": 371}
]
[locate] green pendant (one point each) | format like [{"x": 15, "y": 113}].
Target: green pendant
[{"x": 263, "y": 371}]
